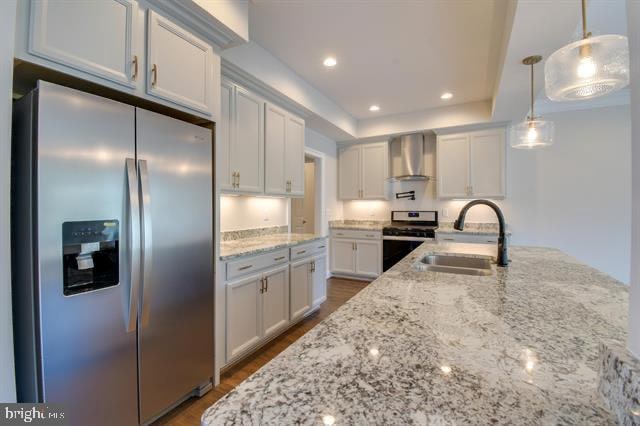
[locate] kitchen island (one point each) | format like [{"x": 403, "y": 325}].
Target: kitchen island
[{"x": 519, "y": 346}]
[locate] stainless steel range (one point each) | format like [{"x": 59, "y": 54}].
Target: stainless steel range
[{"x": 408, "y": 229}]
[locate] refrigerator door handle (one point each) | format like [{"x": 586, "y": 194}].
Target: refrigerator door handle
[
  {"x": 133, "y": 245},
  {"x": 147, "y": 251}
]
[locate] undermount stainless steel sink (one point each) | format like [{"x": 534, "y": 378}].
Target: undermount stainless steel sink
[{"x": 455, "y": 264}]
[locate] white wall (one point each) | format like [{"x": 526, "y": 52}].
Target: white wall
[
  {"x": 633, "y": 25},
  {"x": 7, "y": 31},
  {"x": 332, "y": 206},
  {"x": 574, "y": 195},
  {"x": 239, "y": 212},
  {"x": 232, "y": 13}
]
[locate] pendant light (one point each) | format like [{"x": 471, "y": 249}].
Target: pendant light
[
  {"x": 587, "y": 68},
  {"x": 533, "y": 132}
]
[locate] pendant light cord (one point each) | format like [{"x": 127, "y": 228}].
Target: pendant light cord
[
  {"x": 532, "y": 114},
  {"x": 585, "y": 34}
]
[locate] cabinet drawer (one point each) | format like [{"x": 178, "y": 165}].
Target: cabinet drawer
[
  {"x": 307, "y": 249},
  {"x": 247, "y": 265},
  {"x": 356, "y": 234},
  {"x": 469, "y": 238}
]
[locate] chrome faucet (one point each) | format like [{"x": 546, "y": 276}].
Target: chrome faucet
[{"x": 503, "y": 257}]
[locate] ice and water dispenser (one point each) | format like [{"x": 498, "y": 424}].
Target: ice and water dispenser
[{"x": 90, "y": 255}]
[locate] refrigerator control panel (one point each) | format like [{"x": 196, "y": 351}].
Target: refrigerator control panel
[{"x": 90, "y": 255}]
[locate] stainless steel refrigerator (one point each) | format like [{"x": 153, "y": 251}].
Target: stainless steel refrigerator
[{"x": 112, "y": 256}]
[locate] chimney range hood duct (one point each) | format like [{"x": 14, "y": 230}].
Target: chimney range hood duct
[{"x": 407, "y": 158}]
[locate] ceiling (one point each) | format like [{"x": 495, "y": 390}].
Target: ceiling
[{"x": 400, "y": 55}]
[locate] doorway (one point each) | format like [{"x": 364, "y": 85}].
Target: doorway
[{"x": 307, "y": 211}]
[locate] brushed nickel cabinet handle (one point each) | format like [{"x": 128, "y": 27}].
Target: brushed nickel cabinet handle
[
  {"x": 322, "y": 247},
  {"x": 154, "y": 71},
  {"x": 302, "y": 251},
  {"x": 261, "y": 285},
  {"x": 242, "y": 268},
  {"x": 279, "y": 258},
  {"x": 370, "y": 235},
  {"x": 266, "y": 284},
  {"x": 134, "y": 62}
]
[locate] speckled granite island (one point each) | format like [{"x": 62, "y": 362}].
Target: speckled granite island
[{"x": 517, "y": 347}]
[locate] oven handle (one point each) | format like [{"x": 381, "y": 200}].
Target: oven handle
[{"x": 392, "y": 238}]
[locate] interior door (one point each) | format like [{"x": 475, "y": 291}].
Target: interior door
[
  {"x": 303, "y": 208},
  {"x": 300, "y": 288},
  {"x": 274, "y": 140},
  {"x": 180, "y": 65},
  {"x": 89, "y": 361},
  {"x": 275, "y": 301},
  {"x": 319, "y": 287},
  {"x": 247, "y": 155},
  {"x": 99, "y": 41},
  {"x": 176, "y": 319}
]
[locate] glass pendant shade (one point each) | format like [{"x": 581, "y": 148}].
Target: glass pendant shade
[
  {"x": 532, "y": 133},
  {"x": 587, "y": 68}
]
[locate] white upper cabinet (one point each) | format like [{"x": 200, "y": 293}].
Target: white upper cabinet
[
  {"x": 99, "y": 40},
  {"x": 284, "y": 152},
  {"x": 487, "y": 164},
  {"x": 179, "y": 65},
  {"x": 375, "y": 164},
  {"x": 224, "y": 135},
  {"x": 247, "y": 145},
  {"x": 453, "y": 166},
  {"x": 294, "y": 155},
  {"x": 471, "y": 165},
  {"x": 275, "y": 142},
  {"x": 349, "y": 173},
  {"x": 363, "y": 172}
]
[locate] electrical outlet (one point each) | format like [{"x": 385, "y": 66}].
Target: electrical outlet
[{"x": 445, "y": 213}]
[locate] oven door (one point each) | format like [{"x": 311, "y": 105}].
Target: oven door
[{"x": 394, "y": 249}]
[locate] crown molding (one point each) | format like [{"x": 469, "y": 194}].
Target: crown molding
[{"x": 198, "y": 20}]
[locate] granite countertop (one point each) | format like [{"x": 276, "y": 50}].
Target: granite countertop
[
  {"x": 470, "y": 228},
  {"x": 263, "y": 243},
  {"x": 516, "y": 347},
  {"x": 358, "y": 225}
]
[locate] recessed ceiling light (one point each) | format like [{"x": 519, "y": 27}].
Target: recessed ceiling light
[
  {"x": 446, "y": 96},
  {"x": 374, "y": 108},
  {"x": 329, "y": 62}
]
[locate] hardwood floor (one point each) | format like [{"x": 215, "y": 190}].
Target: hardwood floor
[{"x": 189, "y": 412}]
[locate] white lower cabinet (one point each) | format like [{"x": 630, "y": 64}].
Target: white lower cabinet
[
  {"x": 319, "y": 280},
  {"x": 300, "y": 301},
  {"x": 257, "y": 308},
  {"x": 356, "y": 253},
  {"x": 244, "y": 322}
]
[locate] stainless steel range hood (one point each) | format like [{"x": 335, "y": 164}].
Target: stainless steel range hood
[{"x": 407, "y": 158}]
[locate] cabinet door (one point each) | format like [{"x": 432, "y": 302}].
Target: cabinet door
[
  {"x": 453, "y": 166},
  {"x": 294, "y": 155},
  {"x": 349, "y": 173},
  {"x": 300, "y": 289},
  {"x": 275, "y": 123},
  {"x": 244, "y": 306},
  {"x": 224, "y": 135},
  {"x": 368, "y": 258},
  {"x": 179, "y": 65},
  {"x": 487, "y": 164},
  {"x": 319, "y": 281},
  {"x": 91, "y": 36},
  {"x": 375, "y": 166},
  {"x": 247, "y": 147},
  {"x": 275, "y": 301},
  {"x": 343, "y": 256}
]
